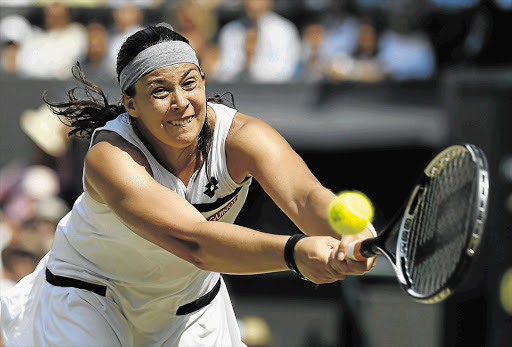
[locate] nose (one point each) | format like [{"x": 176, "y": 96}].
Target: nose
[{"x": 179, "y": 101}]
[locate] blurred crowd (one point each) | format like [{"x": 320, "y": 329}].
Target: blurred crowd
[
  {"x": 267, "y": 41},
  {"x": 31, "y": 209}
]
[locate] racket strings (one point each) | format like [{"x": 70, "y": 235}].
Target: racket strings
[{"x": 433, "y": 255}]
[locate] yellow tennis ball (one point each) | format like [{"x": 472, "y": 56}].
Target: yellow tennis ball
[
  {"x": 350, "y": 212},
  {"x": 506, "y": 291}
]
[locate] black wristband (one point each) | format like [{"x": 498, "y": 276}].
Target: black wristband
[{"x": 289, "y": 251}]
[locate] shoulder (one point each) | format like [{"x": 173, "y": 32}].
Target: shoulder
[
  {"x": 109, "y": 151},
  {"x": 250, "y": 141},
  {"x": 112, "y": 161},
  {"x": 244, "y": 128},
  {"x": 110, "y": 142},
  {"x": 221, "y": 109}
]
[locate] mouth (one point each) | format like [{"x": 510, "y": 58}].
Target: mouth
[{"x": 182, "y": 122}]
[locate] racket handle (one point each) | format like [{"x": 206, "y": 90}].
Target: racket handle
[{"x": 361, "y": 250}]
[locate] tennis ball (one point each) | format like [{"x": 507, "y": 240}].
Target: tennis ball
[
  {"x": 350, "y": 212},
  {"x": 506, "y": 291}
]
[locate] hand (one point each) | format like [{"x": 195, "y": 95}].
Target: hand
[
  {"x": 353, "y": 267},
  {"x": 318, "y": 259}
]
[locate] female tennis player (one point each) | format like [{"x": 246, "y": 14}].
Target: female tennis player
[{"x": 137, "y": 261}]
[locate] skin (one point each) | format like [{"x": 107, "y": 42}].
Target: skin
[{"x": 118, "y": 174}]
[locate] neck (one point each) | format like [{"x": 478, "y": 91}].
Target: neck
[{"x": 181, "y": 162}]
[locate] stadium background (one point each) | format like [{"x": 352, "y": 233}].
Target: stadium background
[{"x": 386, "y": 130}]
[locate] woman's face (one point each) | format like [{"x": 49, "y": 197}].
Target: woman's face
[{"x": 170, "y": 105}]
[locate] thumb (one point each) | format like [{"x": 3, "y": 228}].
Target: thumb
[{"x": 336, "y": 253}]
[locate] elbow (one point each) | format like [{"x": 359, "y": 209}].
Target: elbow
[
  {"x": 189, "y": 251},
  {"x": 201, "y": 265},
  {"x": 196, "y": 250},
  {"x": 203, "y": 260},
  {"x": 198, "y": 257},
  {"x": 197, "y": 260}
]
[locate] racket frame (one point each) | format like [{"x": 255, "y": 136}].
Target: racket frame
[{"x": 397, "y": 232}]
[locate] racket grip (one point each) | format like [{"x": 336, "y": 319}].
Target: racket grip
[
  {"x": 354, "y": 251},
  {"x": 361, "y": 250}
]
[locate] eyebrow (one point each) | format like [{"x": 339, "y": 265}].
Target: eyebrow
[
  {"x": 162, "y": 80},
  {"x": 188, "y": 71}
]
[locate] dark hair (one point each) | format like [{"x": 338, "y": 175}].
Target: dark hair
[
  {"x": 85, "y": 115},
  {"x": 141, "y": 40}
]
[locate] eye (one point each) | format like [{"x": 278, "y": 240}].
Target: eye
[
  {"x": 190, "y": 84},
  {"x": 160, "y": 92}
]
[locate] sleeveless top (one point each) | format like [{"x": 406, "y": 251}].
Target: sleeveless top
[{"x": 92, "y": 244}]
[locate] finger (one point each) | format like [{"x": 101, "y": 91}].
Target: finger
[
  {"x": 337, "y": 255},
  {"x": 339, "y": 267},
  {"x": 357, "y": 267},
  {"x": 368, "y": 264},
  {"x": 336, "y": 268},
  {"x": 371, "y": 262}
]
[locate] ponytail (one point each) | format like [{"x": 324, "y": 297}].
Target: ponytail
[{"x": 84, "y": 115}]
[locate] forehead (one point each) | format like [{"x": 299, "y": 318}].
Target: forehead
[{"x": 172, "y": 72}]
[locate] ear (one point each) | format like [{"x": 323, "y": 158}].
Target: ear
[
  {"x": 129, "y": 105},
  {"x": 203, "y": 77}
]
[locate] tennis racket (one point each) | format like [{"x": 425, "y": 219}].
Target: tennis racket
[{"x": 434, "y": 237}]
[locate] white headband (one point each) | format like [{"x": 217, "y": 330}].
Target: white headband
[{"x": 162, "y": 54}]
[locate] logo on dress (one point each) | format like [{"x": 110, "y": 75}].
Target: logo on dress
[
  {"x": 211, "y": 187},
  {"x": 217, "y": 216}
]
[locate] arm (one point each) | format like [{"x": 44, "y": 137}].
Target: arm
[
  {"x": 256, "y": 149},
  {"x": 118, "y": 175}
]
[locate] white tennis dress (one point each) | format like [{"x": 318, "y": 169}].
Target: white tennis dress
[{"x": 145, "y": 285}]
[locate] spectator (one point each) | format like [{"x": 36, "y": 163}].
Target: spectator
[
  {"x": 196, "y": 21},
  {"x": 14, "y": 29},
  {"x": 330, "y": 43},
  {"x": 17, "y": 263},
  {"x": 312, "y": 59},
  {"x": 95, "y": 64},
  {"x": 277, "y": 51},
  {"x": 341, "y": 31},
  {"x": 45, "y": 131},
  {"x": 364, "y": 64},
  {"x": 8, "y": 57},
  {"x": 210, "y": 61},
  {"x": 53, "y": 148},
  {"x": 406, "y": 55},
  {"x": 50, "y": 53},
  {"x": 128, "y": 19},
  {"x": 30, "y": 210},
  {"x": 250, "y": 47},
  {"x": 367, "y": 64},
  {"x": 404, "y": 49},
  {"x": 37, "y": 185}
]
